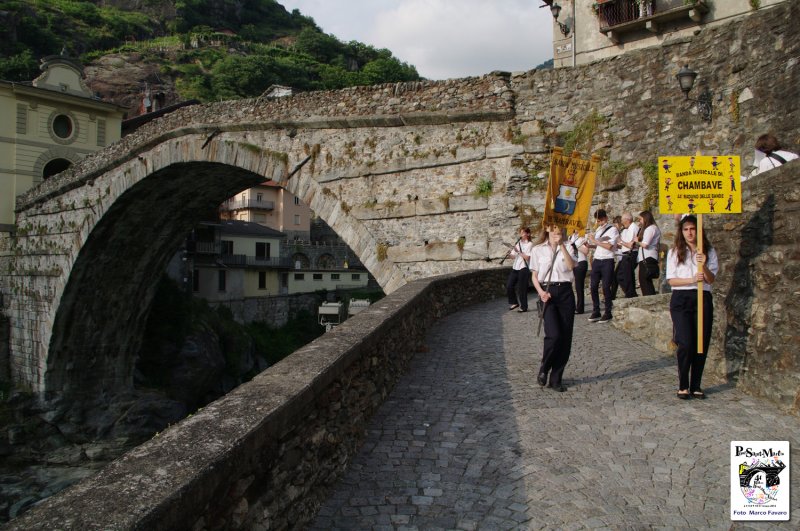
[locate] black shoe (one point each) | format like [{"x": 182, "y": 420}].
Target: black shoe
[
  {"x": 578, "y": 313},
  {"x": 522, "y": 311},
  {"x": 594, "y": 317},
  {"x": 560, "y": 388},
  {"x": 542, "y": 379},
  {"x": 605, "y": 319}
]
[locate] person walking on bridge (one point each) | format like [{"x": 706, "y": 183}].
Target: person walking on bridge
[
  {"x": 685, "y": 269},
  {"x": 551, "y": 270},
  {"x": 517, "y": 285}
]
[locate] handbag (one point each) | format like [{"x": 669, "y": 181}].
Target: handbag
[{"x": 653, "y": 270}]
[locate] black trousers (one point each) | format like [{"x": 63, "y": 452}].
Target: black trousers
[
  {"x": 602, "y": 270},
  {"x": 645, "y": 282},
  {"x": 559, "y": 317},
  {"x": 683, "y": 309},
  {"x": 580, "y": 271},
  {"x": 625, "y": 276},
  {"x": 517, "y": 287}
]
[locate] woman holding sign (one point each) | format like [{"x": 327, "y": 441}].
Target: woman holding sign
[{"x": 686, "y": 268}]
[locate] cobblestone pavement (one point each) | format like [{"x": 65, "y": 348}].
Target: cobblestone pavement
[{"x": 468, "y": 439}]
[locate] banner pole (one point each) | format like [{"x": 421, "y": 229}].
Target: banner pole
[{"x": 700, "y": 286}]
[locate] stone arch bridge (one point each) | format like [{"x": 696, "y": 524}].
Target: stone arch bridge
[{"x": 398, "y": 185}]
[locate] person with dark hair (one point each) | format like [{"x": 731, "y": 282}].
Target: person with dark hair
[
  {"x": 648, "y": 241},
  {"x": 685, "y": 269},
  {"x": 604, "y": 241},
  {"x": 774, "y": 154},
  {"x": 579, "y": 250},
  {"x": 551, "y": 267},
  {"x": 517, "y": 284}
]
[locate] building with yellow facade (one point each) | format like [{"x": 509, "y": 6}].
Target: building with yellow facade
[{"x": 49, "y": 124}]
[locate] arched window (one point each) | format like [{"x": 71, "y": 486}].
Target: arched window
[
  {"x": 301, "y": 261},
  {"x": 326, "y": 261},
  {"x": 55, "y": 166}
]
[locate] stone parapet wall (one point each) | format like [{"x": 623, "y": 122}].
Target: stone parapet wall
[
  {"x": 263, "y": 456},
  {"x": 275, "y": 310},
  {"x": 756, "y": 328}
]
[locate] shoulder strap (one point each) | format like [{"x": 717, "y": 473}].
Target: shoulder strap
[
  {"x": 777, "y": 157},
  {"x": 605, "y": 229}
]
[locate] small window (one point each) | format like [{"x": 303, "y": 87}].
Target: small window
[
  {"x": 334, "y": 276},
  {"x": 299, "y": 276},
  {"x": 259, "y": 197},
  {"x": 297, "y": 219},
  {"x": 62, "y": 126},
  {"x": 196, "y": 280},
  {"x": 226, "y": 247},
  {"x": 355, "y": 276},
  {"x": 296, "y": 200},
  {"x": 262, "y": 280},
  {"x": 221, "y": 279},
  {"x": 317, "y": 276}
]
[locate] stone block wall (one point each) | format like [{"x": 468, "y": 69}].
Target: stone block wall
[
  {"x": 275, "y": 310},
  {"x": 263, "y": 456}
]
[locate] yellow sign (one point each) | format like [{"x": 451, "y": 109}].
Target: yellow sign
[
  {"x": 570, "y": 190},
  {"x": 699, "y": 185}
]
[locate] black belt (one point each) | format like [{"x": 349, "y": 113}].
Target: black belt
[
  {"x": 626, "y": 254},
  {"x": 556, "y": 284}
]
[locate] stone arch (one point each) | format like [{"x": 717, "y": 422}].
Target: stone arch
[
  {"x": 302, "y": 259},
  {"x": 326, "y": 261}
]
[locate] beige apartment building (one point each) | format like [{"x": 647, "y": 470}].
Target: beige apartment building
[
  {"x": 49, "y": 124},
  {"x": 270, "y": 205},
  {"x": 588, "y": 30}
]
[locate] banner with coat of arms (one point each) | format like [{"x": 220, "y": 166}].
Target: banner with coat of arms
[{"x": 570, "y": 190}]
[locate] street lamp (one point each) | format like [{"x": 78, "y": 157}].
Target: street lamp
[
  {"x": 704, "y": 103},
  {"x": 555, "y": 10}
]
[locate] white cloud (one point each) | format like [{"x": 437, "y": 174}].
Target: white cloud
[{"x": 442, "y": 38}]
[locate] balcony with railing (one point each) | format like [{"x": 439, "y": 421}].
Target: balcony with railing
[
  {"x": 624, "y": 16},
  {"x": 241, "y": 260},
  {"x": 242, "y": 204}
]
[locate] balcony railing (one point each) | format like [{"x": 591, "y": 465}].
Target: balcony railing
[
  {"x": 201, "y": 247},
  {"x": 621, "y": 16},
  {"x": 242, "y": 260},
  {"x": 241, "y": 204}
]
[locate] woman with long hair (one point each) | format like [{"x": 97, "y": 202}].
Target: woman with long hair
[
  {"x": 686, "y": 267},
  {"x": 551, "y": 270},
  {"x": 648, "y": 240}
]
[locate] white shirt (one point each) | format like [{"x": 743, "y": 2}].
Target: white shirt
[
  {"x": 768, "y": 163},
  {"x": 688, "y": 268},
  {"x": 574, "y": 245},
  {"x": 540, "y": 263},
  {"x": 612, "y": 235},
  {"x": 525, "y": 247},
  {"x": 627, "y": 236},
  {"x": 651, "y": 239}
]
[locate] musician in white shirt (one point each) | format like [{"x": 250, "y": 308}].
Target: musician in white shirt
[
  {"x": 604, "y": 240},
  {"x": 517, "y": 284},
  {"x": 551, "y": 270},
  {"x": 685, "y": 269},
  {"x": 627, "y": 261},
  {"x": 648, "y": 240},
  {"x": 579, "y": 250}
]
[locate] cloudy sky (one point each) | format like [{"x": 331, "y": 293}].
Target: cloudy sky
[{"x": 442, "y": 38}]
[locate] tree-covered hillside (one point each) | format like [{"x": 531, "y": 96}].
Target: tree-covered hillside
[{"x": 206, "y": 49}]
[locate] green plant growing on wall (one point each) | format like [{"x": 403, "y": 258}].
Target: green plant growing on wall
[
  {"x": 371, "y": 203},
  {"x": 582, "y": 138},
  {"x": 734, "y": 108},
  {"x": 650, "y": 174},
  {"x": 484, "y": 188},
  {"x": 613, "y": 175},
  {"x": 345, "y": 207},
  {"x": 390, "y": 204},
  {"x": 445, "y": 199},
  {"x": 382, "y": 250},
  {"x": 460, "y": 243},
  {"x": 528, "y": 216},
  {"x": 755, "y": 4}
]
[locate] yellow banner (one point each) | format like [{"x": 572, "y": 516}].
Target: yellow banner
[
  {"x": 570, "y": 190},
  {"x": 699, "y": 185}
]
